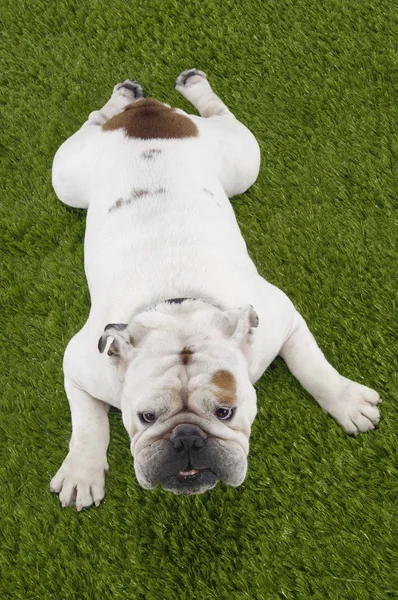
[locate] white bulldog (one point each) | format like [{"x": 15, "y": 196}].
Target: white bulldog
[{"x": 185, "y": 323}]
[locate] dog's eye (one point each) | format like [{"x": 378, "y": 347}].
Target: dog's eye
[
  {"x": 224, "y": 413},
  {"x": 147, "y": 417}
]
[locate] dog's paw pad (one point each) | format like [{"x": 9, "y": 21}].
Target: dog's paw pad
[
  {"x": 189, "y": 77},
  {"x": 130, "y": 89}
]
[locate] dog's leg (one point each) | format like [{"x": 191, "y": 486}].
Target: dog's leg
[
  {"x": 81, "y": 479},
  {"x": 123, "y": 94},
  {"x": 231, "y": 150},
  {"x": 352, "y": 405},
  {"x": 75, "y": 159},
  {"x": 193, "y": 85}
]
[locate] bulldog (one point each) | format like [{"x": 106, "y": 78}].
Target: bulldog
[{"x": 181, "y": 324}]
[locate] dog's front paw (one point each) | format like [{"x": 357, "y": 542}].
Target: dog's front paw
[
  {"x": 355, "y": 407},
  {"x": 130, "y": 89},
  {"x": 189, "y": 77},
  {"x": 80, "y": 481}
]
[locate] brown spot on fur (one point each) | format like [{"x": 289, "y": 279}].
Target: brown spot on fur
[
  {"x": 149, "y": 119},
  {"x": 138, "y": 193},
  {"x": 133, "y": 196},
  {"x": 151, "y": 153},
  {"x": 117, "y": 204},
  {"x": 186, "y": 355},
  {"x": 225, "y": 383}
]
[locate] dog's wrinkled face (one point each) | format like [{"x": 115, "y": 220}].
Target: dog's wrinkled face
[{"x": 187, "y": 401}]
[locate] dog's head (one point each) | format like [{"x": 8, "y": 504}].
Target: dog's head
[{"x": 187, "y": 400}]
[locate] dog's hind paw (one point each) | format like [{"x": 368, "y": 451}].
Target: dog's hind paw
[
  {"x": 189, "y": 77},
  {"x": 129, "y": 89}
]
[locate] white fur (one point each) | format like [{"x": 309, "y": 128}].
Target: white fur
[{"x": 183, "y": 242}]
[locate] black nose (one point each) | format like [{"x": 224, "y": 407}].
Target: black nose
[{"x": 188, "y": 438}]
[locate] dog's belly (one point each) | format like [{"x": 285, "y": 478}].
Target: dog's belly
[
  {"x": 161, "y": 227},
  {"x": 151, "y": 252}
]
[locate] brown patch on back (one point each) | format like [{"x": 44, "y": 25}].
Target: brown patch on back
[
  {"x": 149, "y": 119},
  {"x": 225, "y": 383},
  {"x": 186, "y": 355}
]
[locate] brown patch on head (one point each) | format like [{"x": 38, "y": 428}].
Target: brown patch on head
[
  {"x": 149, "y": 119},
  {"x": 225, "y": 383},
  {"x": 186, "y": 355}
]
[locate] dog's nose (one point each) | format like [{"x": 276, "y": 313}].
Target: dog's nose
[{"x": 188, "y": 438}]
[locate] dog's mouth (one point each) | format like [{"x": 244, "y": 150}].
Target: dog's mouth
[
  {"x": 189, "y": 474},
  {"x": 191, "y": 481}
]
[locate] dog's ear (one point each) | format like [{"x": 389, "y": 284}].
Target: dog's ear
[
  {"x": 125, "y": 339},
  {"x": 122, "y": 341},
  {"x": 238, "y": 323}
]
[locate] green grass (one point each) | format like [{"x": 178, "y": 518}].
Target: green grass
[{"x": 317, "y": 515}]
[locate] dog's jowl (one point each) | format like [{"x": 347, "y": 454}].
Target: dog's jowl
[{"x": 181, "y": 324}]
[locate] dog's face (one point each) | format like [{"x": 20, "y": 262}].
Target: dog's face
[{"x": 187, "y": 401}]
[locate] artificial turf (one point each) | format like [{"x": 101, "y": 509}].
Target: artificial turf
[{"x": 317, "y": 515}]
